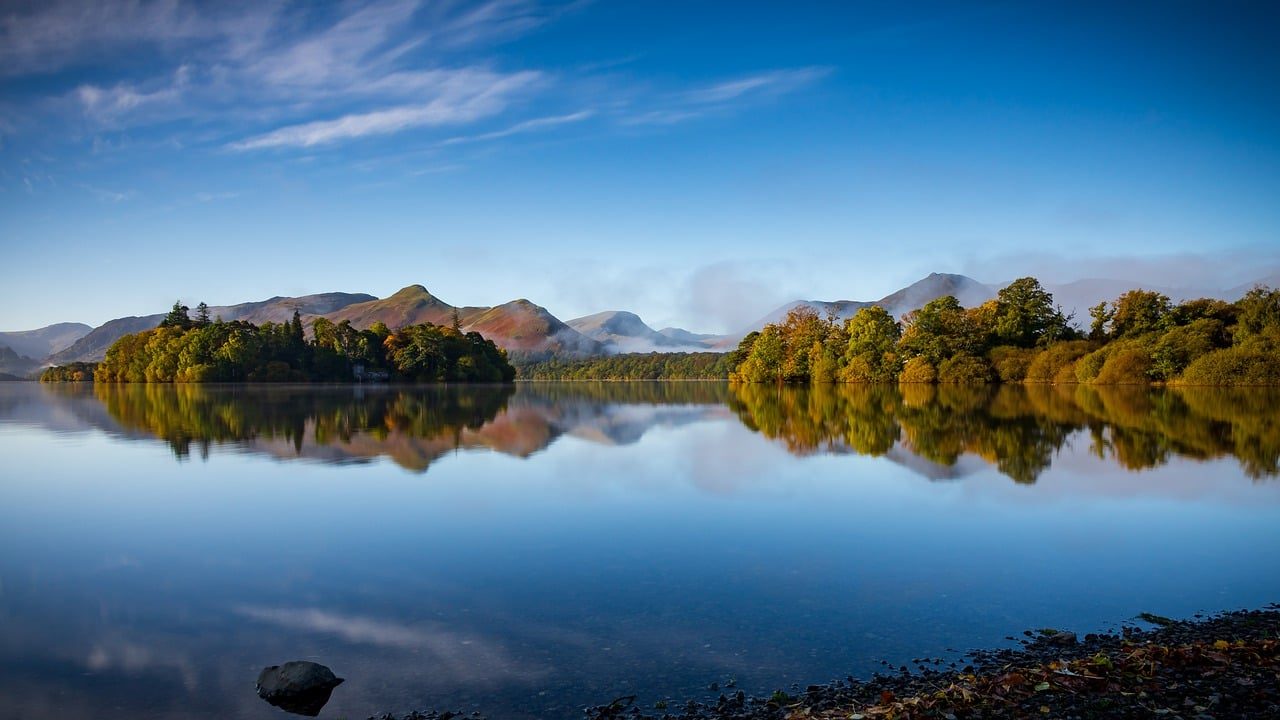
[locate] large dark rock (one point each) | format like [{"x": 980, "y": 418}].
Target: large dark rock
[{"x": 299, "y": 687}]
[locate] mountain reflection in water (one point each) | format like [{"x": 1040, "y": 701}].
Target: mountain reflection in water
[
  {"x": 577, "y": 542},
  {"x": 932, "y": 429}
]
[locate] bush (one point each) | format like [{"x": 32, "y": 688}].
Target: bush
[
  {"x": 858, "y": 370},
  {"x": 1176, "y": 349},
  {"x": 918, "y": 370},
  {"x": 1233, "y": 366},
  {"x": 1011, "y": 363},
  {"x": 1049, "y": 363},
  {"x": 1127, "y": 366},
  {"x": 1066, "y": 374},
  {"x": 1088, "y": 367},
  {"x": 965, "y": 369}
]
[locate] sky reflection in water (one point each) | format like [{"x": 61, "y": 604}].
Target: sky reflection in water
[{"x": 527, "y": 551}]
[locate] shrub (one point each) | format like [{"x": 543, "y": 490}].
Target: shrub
[
  {"x": 965, "y": 369},
  {"x": 858, "y": 370},
  {"x": 1088, "y": 367},
  {"x": 1126, "y": 366},
  {"x": 1011, "y": 363},
  {"x": 918, "y": 370},
  {"x": 867, "y": 368},
  {"x": 1066, "y": 374},
  {"x": 1048, "y": 364},
  {"x": 1176, "y": 349},
  {"x": 1233, "y": 366}
]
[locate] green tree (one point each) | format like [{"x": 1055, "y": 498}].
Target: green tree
[
  {"x": 871, "y": 353},
  {"x": 177, "y": 317},
  {"x": 1026, "y": 315},
  {"x": 764, "y": 363},
  {"x": 1100, "y": 316},
  {"x": 1139, "y": 312},
  {"x": 1259, "y": 317},
  {"x": 940, "y": 330}
]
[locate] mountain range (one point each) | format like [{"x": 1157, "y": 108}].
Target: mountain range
[{"x": 530, "y": 332}]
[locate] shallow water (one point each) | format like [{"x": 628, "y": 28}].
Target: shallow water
[{"x": 526, "y": 551}]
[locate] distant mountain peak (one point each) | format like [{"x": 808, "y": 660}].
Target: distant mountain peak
[
  {"x": 621, "y": 331},
  {"x": 412, "y": 291}
]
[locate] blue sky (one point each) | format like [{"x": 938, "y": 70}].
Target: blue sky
[{"x": 698, "y": 163}]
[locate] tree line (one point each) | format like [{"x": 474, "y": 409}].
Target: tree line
[
  {"x": 632, "y": 366},
  {"x": 184, "y": 349},
  {"x": 1022, "y": 336}
]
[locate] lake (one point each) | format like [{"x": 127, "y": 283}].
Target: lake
[{"x": 525, "y": 551}]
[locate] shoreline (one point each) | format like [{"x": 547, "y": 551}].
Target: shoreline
[{"x": 1220, "y": 666}]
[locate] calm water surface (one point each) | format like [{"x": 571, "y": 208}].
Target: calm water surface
[{"x": 525, "y": 551}]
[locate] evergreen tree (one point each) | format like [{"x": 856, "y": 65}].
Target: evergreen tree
[{"x": 177, "y": 317}]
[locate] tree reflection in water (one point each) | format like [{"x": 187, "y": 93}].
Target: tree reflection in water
[{"x": 1017, "y": 428}]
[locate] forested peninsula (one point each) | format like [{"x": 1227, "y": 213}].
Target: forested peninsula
[
  {"x": 184, "y": 349},
  {"x": 1022, "y": 336}
]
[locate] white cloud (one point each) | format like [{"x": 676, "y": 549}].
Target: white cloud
[
  {"x": 106, "y": 195},
  {"x": 206, "y": 197},
  {"x": 724, "y": 95},
  {"x": 110, "y": 103},
  {"x": 466, "y": 97},
  {"x": 774, "y": 82},
  {"x": 343, "y": 51},
  {"x": 375, "y": 67},
  {"x": 541, "y": 123},
  {"x": 662, "y": 117}
]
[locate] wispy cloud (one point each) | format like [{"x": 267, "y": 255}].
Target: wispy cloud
[
  {"x": 775, "y": 82},
  {"x": 479, "y": 95},
  {"x": 342, "y": 52},
  {"x": 110, "y": 103},
  {"x": 46, "y": 36},
  {"x": 722, "y": 96},
  {"x": 371, "y": 67},
  {"x": 437, "y": 169},
  {"x": 661, "y": 117},
  {"x": 277, "y": 75},
  {"x": 207, "y": 197},
  {"x": 106, "y": 195},
  {"x": 535, "y": 124}
]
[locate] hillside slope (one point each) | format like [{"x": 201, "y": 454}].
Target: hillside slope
[{"x": 45, "y": 341}]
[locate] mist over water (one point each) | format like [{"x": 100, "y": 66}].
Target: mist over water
[{"x": 527, "y": 550}]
